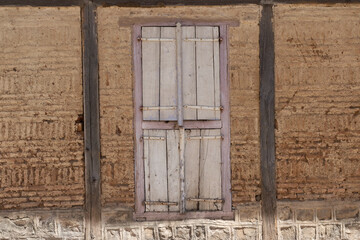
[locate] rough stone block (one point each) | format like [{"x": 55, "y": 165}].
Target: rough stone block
[
  {"x": 245, "y": 233},
  {"x": 352, "y": 231},
  {"x": 131, "y": 234},
  {"x": 285, "y": 214},
  {"x": 183, "y": 233},
  {"x": 149, "y": 233},
  {"x": 307, "y": 233},
  {"x": 113, "y": 234},
  {"x": 71, "y": 223},
  {"x": 218, "y": 233},
  {"x": 200, "y": 233},
  {"x": 324, "y": 214},
  {"x": 165, "y": 233},
  {"x": 331, "y": 231},
  {"x": 347, "y": 213},
  {"x": 287, "y": 233},
  {"x": 305, "y": 215}
]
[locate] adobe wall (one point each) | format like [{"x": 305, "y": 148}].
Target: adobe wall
[
  {"x": 317, "y": 101},
  {"x": 116, "y": 99},
  {"x": 41, "y": 146}
]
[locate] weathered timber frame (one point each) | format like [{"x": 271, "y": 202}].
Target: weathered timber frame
[
  {"x": 267, "y": 124},
  {"x": 223, "y": 124},
  {"x": 91, "y": 101},
  {"x": 91, "y": 122}
]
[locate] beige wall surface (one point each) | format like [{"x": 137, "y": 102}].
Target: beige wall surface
[
  {"x": 41, "y": 153},
  {"x": 116, "y": 99},
  {"x": 317, "y": 51}
]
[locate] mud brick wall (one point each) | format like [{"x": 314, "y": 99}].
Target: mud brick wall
[
  {"x": 317, "y": 101},
  {"x": 116, "y": 100},
  {"x": 41, "y": 147}
]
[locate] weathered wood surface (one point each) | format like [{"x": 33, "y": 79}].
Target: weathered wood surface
[
  {"x": 205, "y": 72},
  {"x": 168, "y": 84},
  {"x": 92, "y": 123},
  {"x": 267, "y": 127},
  {"x": 156, "y": 177},
  {"x": 210, "y": 168},
  {"x": 192, "y": 155},
  {"x": 189, "y": 72},
  {"x": 173, "y": 171},
  {"x": 150, "y": 72}
]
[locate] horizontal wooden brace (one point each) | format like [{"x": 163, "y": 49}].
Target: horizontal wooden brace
[
  {"x": 160, "y": 203},
  {"x": 219, "y": 108},
  {"x": 158, "y": 108},
  {"x": 202, "y": 39},
  {"x": 205, "y": 137},
  {"x": 152, "y": 138},
  {"x": 214, "y": 200},
  {"x": 193, "y": 124},
  {"x": 156, "y": 39}
]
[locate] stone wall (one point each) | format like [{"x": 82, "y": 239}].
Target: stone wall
[
  {"x": 116, "y": 99},
  {"x": 317, "y": 101},
  {"x": 118, "y": 224},
  {"x": 65, "y": 224},
  {"x": 320, "y": 220},
  {"x": 41, "y": 142}
]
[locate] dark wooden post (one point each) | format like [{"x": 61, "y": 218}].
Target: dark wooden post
[
  {"x": 267, "y": 128},
  {"x": 91, "y": 116}
]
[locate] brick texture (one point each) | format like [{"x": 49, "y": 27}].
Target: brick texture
[
  {"x": 116, "y": 100},
  {"x": 317, "y": 101},
  {"x": 41, "y": 151}
]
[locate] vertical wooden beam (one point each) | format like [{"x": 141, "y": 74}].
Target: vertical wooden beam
[
  {"x": 267, "y": 129},
  {"x": 91, "y": 116}
]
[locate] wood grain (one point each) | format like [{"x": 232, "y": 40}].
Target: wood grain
[{"x": 267, "y": 129}]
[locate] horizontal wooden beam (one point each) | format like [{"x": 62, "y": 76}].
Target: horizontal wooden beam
[
  {"x": 41, "y": 3},
  {"x": 160, "y": 3}
]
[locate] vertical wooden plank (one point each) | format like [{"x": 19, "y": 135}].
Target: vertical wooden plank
[
  {"x": 205, "y": 73},
  {"x": 216, "y": 71},
  {"x": 91, "y": 128},
  {"x": 225, "y": 120},
  {"x": 180, "y": 110},
  {"x": 182, "y": 168},
  {"x": 210, "y": 169},
  {"x": 150, "y": 72},
  {"x": 267, "y": 131},
  {"x": 189, "y": 72},
  {"x": 173, "y": 172},
  {"x": 192, "y": 157},
  {"x": 168, "y": 84},
  {"x": 138, "y": 148},
  {"x": 157, "y": 170},
  {"x": 146, "y": 169}
]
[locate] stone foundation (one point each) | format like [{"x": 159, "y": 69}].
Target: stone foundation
[
  {"x": 318, "y": 220},
  {"x": 45, "y": 224},
  {"x": 246, "y": 226}
]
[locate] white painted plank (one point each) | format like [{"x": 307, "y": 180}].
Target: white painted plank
[
  {"x": 210, "y": 169},
  {"x": 158, "y": 172},
  {"x": 192, "y": 150},
  {"x": 173, "y": 164},
  {"x": 168, "y": 84},
  {"x": 189, "y": 72},
  {"x": 150, "y": 72},
  {"x": 146, "y": 169},
  {"x": 216, "y": 71},
  {"x": 205, "y": 73}
]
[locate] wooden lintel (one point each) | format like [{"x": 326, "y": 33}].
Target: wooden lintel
[
  {"x": 91, "y": 116},
  {"x": 267, "y": 128}
]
